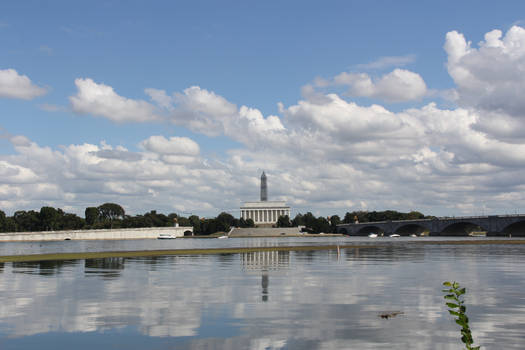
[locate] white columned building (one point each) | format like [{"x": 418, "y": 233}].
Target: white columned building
[{"x": 264, "y": 212}]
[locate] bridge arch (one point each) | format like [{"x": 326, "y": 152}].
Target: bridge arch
[
  {"x": 463, "y": 228},
  {"x": 411, "y": 229},
  {"x": 188, "y": 233},
  {"x": 366, "y": 230},
  {"x": 515, "y": 229}
]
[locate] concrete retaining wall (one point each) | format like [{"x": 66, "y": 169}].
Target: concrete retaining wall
[
  {"x": 127, "y": 233},
  {"x": 265, "y": 231}
]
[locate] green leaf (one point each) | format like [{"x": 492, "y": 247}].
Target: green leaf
[
  {"x": 452, "y": 305},
  {"x": 462, "y": 291},
  {"x": 453, "y": 312},
  {"x": 461, "y": 322},
  {"x": 448, "y": 284},
  {"x": 450, "y": 296}
]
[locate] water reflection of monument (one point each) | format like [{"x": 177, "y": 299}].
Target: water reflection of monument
[
  {"x": 267, "y": 260},
  {"x": 263, "y": 262}
]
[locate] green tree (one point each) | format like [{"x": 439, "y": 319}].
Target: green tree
[
  {"x": 209, "y": 226},
  {"x": 284, "y": 221},
  {"x": 319, "y": 225},
  {"x": 298, "y": 220},
  {"x": 224, "y": 221},
  {"x": 334, "y": 221},
  {"x": 10, "y": 224},
  {"x": 71, "y": 222},
  {"x": 250, "y": 222},
  {"x": 309, "y": 220},
  {"x": 184, "y": 221},
  {"x": 27, "y": 221},
  {"x": 351, "y": 217},
  {"x": 3, "y": 222},
  {"x": 196, "y": 223},
  {"x": 91, "y": 214},
  {"x": 50, "y": 218},
  {"x": 111, "y": 212},
  {"x": 246, "y": 223},
  {"x": 415, "y": 215}
]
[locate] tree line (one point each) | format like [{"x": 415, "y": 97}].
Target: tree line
[{"x": 112, "y": 215}]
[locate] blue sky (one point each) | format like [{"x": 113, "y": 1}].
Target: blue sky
[{"x": 255, "y": 54}]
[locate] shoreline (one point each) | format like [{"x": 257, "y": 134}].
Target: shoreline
[{"x": 238, "y": 250}]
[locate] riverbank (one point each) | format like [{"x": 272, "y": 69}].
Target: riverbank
[
  {"x": 239, "y": 250},
  {"x": 105, "y": 234}
]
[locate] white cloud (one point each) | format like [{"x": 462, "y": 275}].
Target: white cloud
[
  {"x": 14, "y": 85},
  {"x": 400, "y": 85},
  {"x": 102, "y": 100},
  {"x": 388, "y": 61},
  {"x": 491, "y": 77},
  {"x": 172, "y": 146},
  {"x": 205, "y": 112},
  {"x": 160, "y": 97}
]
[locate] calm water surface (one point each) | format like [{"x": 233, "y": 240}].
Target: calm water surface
[{"x": 264, "y": 300}]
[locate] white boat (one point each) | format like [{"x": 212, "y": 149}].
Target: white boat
[
  {"x": 372, "y": 235},
  {"x": 413, "y": 235},
  {"x": 222, "y": 237},
  {"x": 166, "y": 236},
  {"x": 395, "y": 235}
]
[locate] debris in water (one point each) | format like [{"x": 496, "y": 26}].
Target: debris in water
[{"x": 387, "y": 315}]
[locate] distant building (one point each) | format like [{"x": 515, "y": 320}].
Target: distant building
[{"x": 264, "y": 212}]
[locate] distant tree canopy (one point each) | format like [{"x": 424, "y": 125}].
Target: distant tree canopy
[
  {"x": 112, "y": 215},
  {"x": 387, "y": 215}
]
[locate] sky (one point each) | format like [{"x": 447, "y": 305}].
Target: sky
[{"x": 178, "y": 106}]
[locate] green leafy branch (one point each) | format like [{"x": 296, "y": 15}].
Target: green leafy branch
[{"x": 457, "y": 308}]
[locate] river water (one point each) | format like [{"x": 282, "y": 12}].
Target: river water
[{"x": 261, "y": 300}]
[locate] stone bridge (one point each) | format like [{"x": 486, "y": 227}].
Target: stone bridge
[{"x": 493, "y": 225}]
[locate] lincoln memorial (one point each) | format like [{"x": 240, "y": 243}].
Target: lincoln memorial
[{"x": 264, "y": 212}]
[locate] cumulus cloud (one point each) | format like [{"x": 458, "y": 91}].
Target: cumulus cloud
[
  {"x": 197, "y": 109},
  {"x": 400, "y": 85},
  {"x": 173, "y": 145},
  {"x": 205, "y": 112},
  {"x": 101, "y": 100},
  {"x": 14, "y": 85},
  {"x": 491, "y": 77},
  {"x": 168, "y": 174}
]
